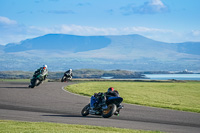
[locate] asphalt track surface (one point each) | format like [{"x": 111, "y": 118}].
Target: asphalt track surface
[{"x": 50, "y": 103}]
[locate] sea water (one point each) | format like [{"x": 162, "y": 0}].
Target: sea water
[{"x": 173, "y": 76}]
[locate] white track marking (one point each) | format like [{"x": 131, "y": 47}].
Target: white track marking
[{"x": 63, "y": 88}]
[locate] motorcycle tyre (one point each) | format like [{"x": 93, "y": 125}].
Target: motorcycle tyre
[
  {"x": 111, "y": 111},
  {"x": 85, "y": 110},
  {"x": 31, "y": 86},
  {"x": 64, "y": 79},
  {"x": 37, "y": 82},
  {"x": 33, "y": 81}
]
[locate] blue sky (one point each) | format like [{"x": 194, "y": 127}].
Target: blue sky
[{"x": 161, "y": 20}]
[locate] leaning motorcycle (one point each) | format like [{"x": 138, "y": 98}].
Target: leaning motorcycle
[
  {"x": 66, "y": 77},
  {"x": 113, "y": 108},
  {"x": 36, "y": 80}
]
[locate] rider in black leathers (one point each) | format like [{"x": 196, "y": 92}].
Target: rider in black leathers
[
  {"x": 100, "y": 98},
  {"x": 69, "y": 73}
]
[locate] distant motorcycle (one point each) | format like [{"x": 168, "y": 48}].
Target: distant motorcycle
[
  {"x": 36, "y": 80},
  {"x": 66, "y": 77},
  {"x": 113, "y": 108}
]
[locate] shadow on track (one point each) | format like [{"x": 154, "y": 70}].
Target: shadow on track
[
  {"x": 73, "y": 116},
  {"x": 16, "y": 87}
]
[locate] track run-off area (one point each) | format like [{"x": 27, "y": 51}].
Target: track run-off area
[{"x": 50, "y": 103}]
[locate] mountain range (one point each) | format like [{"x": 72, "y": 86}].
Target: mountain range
[{"x": 132, "y": 52}]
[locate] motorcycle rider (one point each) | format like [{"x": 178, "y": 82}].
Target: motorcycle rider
[
  {"x": 43, "y": 71},
  {"x": 112, "y": 92},
  {"x": 100, "y": 98},
  {"x": 69, "y": 73}
]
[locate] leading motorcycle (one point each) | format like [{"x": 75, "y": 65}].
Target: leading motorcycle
[
  {"x": 113, "y": 108},
  {"x": 36, "y": 80}
]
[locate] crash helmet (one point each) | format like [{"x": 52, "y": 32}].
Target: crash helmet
[
  {"x": 70, "y": 70},
  {"x": 110, "y": 89},
  {"x": 44, "y": 66}
]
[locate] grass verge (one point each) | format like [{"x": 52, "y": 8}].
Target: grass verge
[
  {"x": 184, "y": 96},
  {"x": 45, "y": 127},
  {"x": 15, "y": 80}
]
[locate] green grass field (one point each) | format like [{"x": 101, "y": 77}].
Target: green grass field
[
  {"x": 45, "y": 127},
  {"x": 183, "y": 96}
]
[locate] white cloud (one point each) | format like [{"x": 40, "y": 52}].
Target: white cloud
[
  {"x": 87, "y": 30},
  {"x": 7, "y": 21},
  {"x": 145, "y": 29},
  {"x": 196, "y": 33},
  {"x": 157, "y": 3},
  {"x": 154, "y": 6},
  {"x": 150, "y": 7},
  {"x": 194, "y": 36}
]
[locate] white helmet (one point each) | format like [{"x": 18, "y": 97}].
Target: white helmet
[
  {"x": 44, "y": 66},
  {"x": 70, "y": 69}
]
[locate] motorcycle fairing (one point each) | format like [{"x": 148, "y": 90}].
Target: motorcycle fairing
[{"x": 115, "y": 100}]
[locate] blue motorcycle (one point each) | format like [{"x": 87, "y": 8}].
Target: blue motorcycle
[{"x": 113, "y": 108}]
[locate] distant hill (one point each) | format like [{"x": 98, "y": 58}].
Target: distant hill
[
  {"x": 75, "y": 43},
  {"x": 189, "y": 48},
  {"x": 130, "y": 52},
  {"x": 63, "y": 42}
]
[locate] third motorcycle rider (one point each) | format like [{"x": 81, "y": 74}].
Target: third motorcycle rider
[{"x": 100, "y": 98}]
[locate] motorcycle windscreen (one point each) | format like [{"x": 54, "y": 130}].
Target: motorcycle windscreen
[{"x": 115, "y": 100}]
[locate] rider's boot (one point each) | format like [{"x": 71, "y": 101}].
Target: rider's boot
[{"x": 120, "y": 106}]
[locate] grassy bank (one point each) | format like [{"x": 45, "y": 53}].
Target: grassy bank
[
  {"x": 183, "y": 96},
  {"x": 45, "y": 127}
]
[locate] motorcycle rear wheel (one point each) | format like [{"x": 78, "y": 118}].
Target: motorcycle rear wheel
[
  {"x": 85, "y": 110},
  {"x": 109, "y": 111}
]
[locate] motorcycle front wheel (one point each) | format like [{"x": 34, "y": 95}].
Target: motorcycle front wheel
[
  {"x": 85, "y": 110},
  {"x": 37, "y": 82},
  {"x": 63, "y": 79},
  {"x": 32, "y": 85},
  {"x": 109, "y": 111}
]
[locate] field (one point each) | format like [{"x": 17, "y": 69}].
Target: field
[
  {"x": 45, "y": 127},
  {"x": 184, "y": 96}
]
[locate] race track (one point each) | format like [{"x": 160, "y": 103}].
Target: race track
[{"x": 50, "y": 103}]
